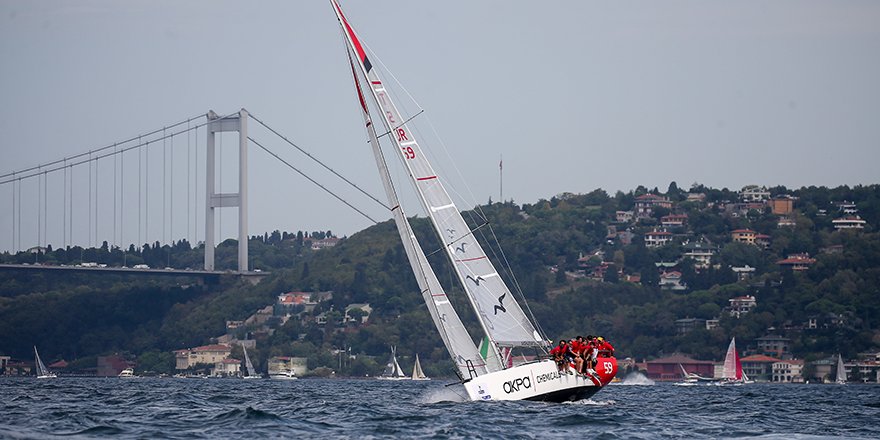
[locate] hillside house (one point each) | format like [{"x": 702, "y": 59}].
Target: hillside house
[
  {"x": 646, "y": 204},
  {"x": 741, "y": 305},
  {"x": 849, "y": 222},
  {"x": 701, "y": 252},
  {"x": 671, "y": 281},
  {"x": 657, "y": 238},
  {"x": 743, "y": 236},
  {"x": 754, "y": 193},
  {"x": 674, "y": 220},
  {"x": 797, "y": 262},
  {"x": 781, "y": 205}
]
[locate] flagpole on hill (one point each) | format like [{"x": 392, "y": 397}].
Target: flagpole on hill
[{"x": 501, "y": 179}]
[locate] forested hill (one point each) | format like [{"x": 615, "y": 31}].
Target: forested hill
[{"x": 582, "y": 262}]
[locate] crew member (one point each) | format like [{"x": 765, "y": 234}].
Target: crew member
[{"x": 562, "y": 355}]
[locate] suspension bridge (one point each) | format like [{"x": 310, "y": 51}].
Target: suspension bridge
[{"x": 107, "y": 196}]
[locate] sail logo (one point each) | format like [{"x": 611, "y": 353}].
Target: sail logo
[{"x": 512, "y": 386}]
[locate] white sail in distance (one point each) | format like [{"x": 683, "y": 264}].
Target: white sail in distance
[{"x": 499, "y": 314}]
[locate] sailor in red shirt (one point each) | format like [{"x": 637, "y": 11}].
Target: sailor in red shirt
[
  {"x": 577, "y": 348},
  {"x": 605, "y": 347},
  {"x": 562, "y": 355}
]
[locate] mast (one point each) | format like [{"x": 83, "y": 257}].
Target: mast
[
  {"x": 501, "y": 318},
  {"x": 452, "y": 331}
]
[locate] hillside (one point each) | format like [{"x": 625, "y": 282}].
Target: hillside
[{"x": 586, "y": 263}]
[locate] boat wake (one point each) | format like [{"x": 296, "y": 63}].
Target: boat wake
[
  {"x": 440, "y": 396},
  {"x": 636, "y": 378},
  {"x": 591, "y": 402}
]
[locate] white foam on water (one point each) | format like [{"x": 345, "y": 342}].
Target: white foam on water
[
  {"x": 636, "y": 378},
  {"x": 591, "y": 402},
  {"x": 442, "y": 395}
]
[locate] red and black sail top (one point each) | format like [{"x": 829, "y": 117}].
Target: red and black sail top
[{"x": 353, "y": 38}]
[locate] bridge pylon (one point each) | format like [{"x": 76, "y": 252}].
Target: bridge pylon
[{"x": 216, "y": 124}]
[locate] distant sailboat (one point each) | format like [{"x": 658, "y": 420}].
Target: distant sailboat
[
  {"x": 418, "y": 374},
  {"x": 392, "y": 369},
  {"x": 251, "y": 372},
  {"x": 42, "y": 371},
  {"x": 841, "y": 371},
  {"x": 733, "y": 372}
]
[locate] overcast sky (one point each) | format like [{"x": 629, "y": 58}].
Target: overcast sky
[{"x": 575, "y": 95}]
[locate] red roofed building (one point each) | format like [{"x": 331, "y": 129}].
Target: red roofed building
[
  {"x": 797, "y": 262},
  {"x": 668, "y": 368},
  {"x": 206, "y": 354},
  {"x": 758, "y": 367}
]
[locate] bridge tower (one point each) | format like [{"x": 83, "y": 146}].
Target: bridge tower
[{"x": 216, "y": 124}]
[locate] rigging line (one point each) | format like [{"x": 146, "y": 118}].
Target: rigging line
[
  {"x": 470, "y": 232},
  {"x": 401, "y": 124},
  {"x": 118, "y": 152},
  {"x": 312, "y": 180},
  {"x": 387, "y": 70},
  {"x": 509, "y": 271},
  {"x": 318, "y": 161},
  {"x": 90, "y": 152}
]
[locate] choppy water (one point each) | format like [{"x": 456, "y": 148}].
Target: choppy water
[{"x": 218, "y": 408}]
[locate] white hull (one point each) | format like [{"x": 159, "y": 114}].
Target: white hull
[
  {"x": 282, "y": 376},
  {"x": 540, "y": 381}
]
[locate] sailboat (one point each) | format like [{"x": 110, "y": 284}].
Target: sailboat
[
  {"x": 392, "y": 369},
  {"x": 42, "y": 371},
  {"x": 418, "y": 374},
  {"x": 251, "y": 372},
  {"x": 733, "y": 374},
  {"x": 500, "y": 317},
  {"x": 841, "y": 371}
]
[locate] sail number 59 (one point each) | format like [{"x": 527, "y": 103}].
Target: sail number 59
[
  {"x": 608, "y": 367},
  {"x": 408, "y": 152}
]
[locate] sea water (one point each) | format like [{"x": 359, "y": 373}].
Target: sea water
[{"x": 328, "y": 408}]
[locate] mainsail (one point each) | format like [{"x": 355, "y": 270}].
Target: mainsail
[
  {"x": 42, "y": 371},
  {"x": 418, "y": 374},
  {"x": 392, "y": 369},
  {"x": 247, "y": 363},
  {"x": 502, "y": 319},
  {"x": 841, "y": 370},
  {"x": 732, "y": 366}
]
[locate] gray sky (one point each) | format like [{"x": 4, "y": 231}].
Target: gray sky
[{"x": 575, "y": 95}]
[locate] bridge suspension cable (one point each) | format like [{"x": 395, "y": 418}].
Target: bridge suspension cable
[{"x": 311, "y": 180}]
